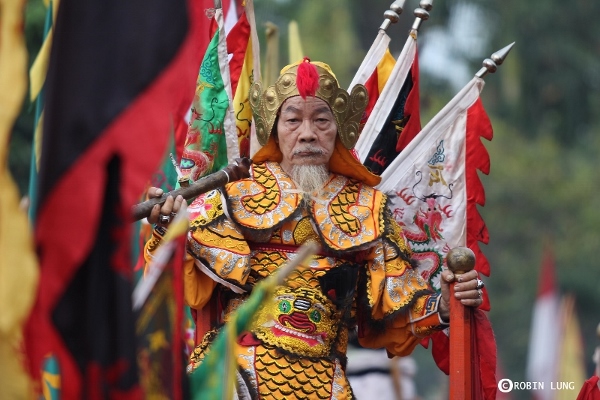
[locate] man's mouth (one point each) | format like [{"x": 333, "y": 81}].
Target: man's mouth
[{"x": 307, "y": 154}]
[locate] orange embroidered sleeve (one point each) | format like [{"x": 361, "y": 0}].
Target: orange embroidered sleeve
[{"x": 198, "y": 287}]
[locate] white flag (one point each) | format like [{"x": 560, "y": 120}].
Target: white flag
[{"x": 435, "y": 188}]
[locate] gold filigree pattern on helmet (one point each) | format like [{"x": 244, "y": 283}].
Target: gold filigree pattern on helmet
[{"x": 347, "y": 107}]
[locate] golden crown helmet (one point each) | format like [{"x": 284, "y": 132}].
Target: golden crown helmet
[{"x": 306, "y": 78}]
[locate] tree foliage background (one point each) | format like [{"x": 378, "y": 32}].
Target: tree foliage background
[{"x": 544, "y": 183}]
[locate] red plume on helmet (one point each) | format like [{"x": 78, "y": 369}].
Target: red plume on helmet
[{"x": 307, "y": 78}]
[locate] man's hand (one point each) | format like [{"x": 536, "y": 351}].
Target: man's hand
[
  {"x": 466, "y": 291},
  {"x": 163, "y": 215}
]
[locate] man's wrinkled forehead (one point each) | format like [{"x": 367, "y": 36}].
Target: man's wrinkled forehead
[{"x": 296, "y": 105}]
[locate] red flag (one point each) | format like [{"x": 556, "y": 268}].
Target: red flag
[
  {"x": 377, "y": 82},
  {"x": 114, "y": 85}
]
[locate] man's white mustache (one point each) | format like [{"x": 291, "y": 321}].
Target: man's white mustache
[{"x": 313, "y": 150}]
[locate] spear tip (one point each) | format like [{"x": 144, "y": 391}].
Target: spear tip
[
  {"x": 497, "y": 58},
  {"x": 500, "y": 55}
]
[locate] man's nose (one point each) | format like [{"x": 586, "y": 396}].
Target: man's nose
[{"x": 307, "y": 131}]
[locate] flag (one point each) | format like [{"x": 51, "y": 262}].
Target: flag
[
  {"x": 376, "y": 83},
  {"x": 243, "y": 69},
  {"x": 37, "y": 77},
  {"x": 159, "y": 299},
  {"x": 211, "y": 137},
  {"x": 544, "y": 337},
  {"x": 571, "y": 358},
  {"x": 434, "y": 192},
  {"x": 231, "y": 15},
  {"x": 113, "y": 86},
  {"x": 374, "y": 72},
  {"x": 205, "y": 31},
  {"x": 395, "y": 119},
  {"x": 18, "y": 264},
  {"x": 436, "y": 185},
  {"x": 373, "y": 57}
]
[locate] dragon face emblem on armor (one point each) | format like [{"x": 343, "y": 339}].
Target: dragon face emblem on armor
[{"x": 300, "y": 320}]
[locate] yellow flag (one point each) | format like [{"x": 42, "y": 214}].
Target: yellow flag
[
  {"x": 18, "y": 265},
  {"x": 571, "y": 359}
]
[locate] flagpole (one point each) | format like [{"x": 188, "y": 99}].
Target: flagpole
[{"x": 460, "y": 260}]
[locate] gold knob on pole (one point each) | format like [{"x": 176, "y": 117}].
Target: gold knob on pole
[{"x": 460, "y": 260}]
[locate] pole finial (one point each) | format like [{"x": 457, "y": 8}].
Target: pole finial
[
  {"x": 393, "y": 14},
  {"x": 460, "y": 260},
  {"x": 497, "y": 58},
  {"x": 421, "y": 14}
]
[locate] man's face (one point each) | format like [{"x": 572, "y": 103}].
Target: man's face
[{"x": 306, "y": 132}]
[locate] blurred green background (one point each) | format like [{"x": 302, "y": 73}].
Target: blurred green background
[{"x": 544, "y": 185}]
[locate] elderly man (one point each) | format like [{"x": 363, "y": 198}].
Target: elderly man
[{"x": 305, "y": 185}]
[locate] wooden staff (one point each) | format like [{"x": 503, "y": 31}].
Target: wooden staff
[
  {"x": 233, "y": 172},
  {"x": 460, "y": 260}
]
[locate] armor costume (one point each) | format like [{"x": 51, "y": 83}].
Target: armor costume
[{"x": 362, "y": 277}]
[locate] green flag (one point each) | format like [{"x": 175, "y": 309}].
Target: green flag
[{"x": 212, "y": 137}]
